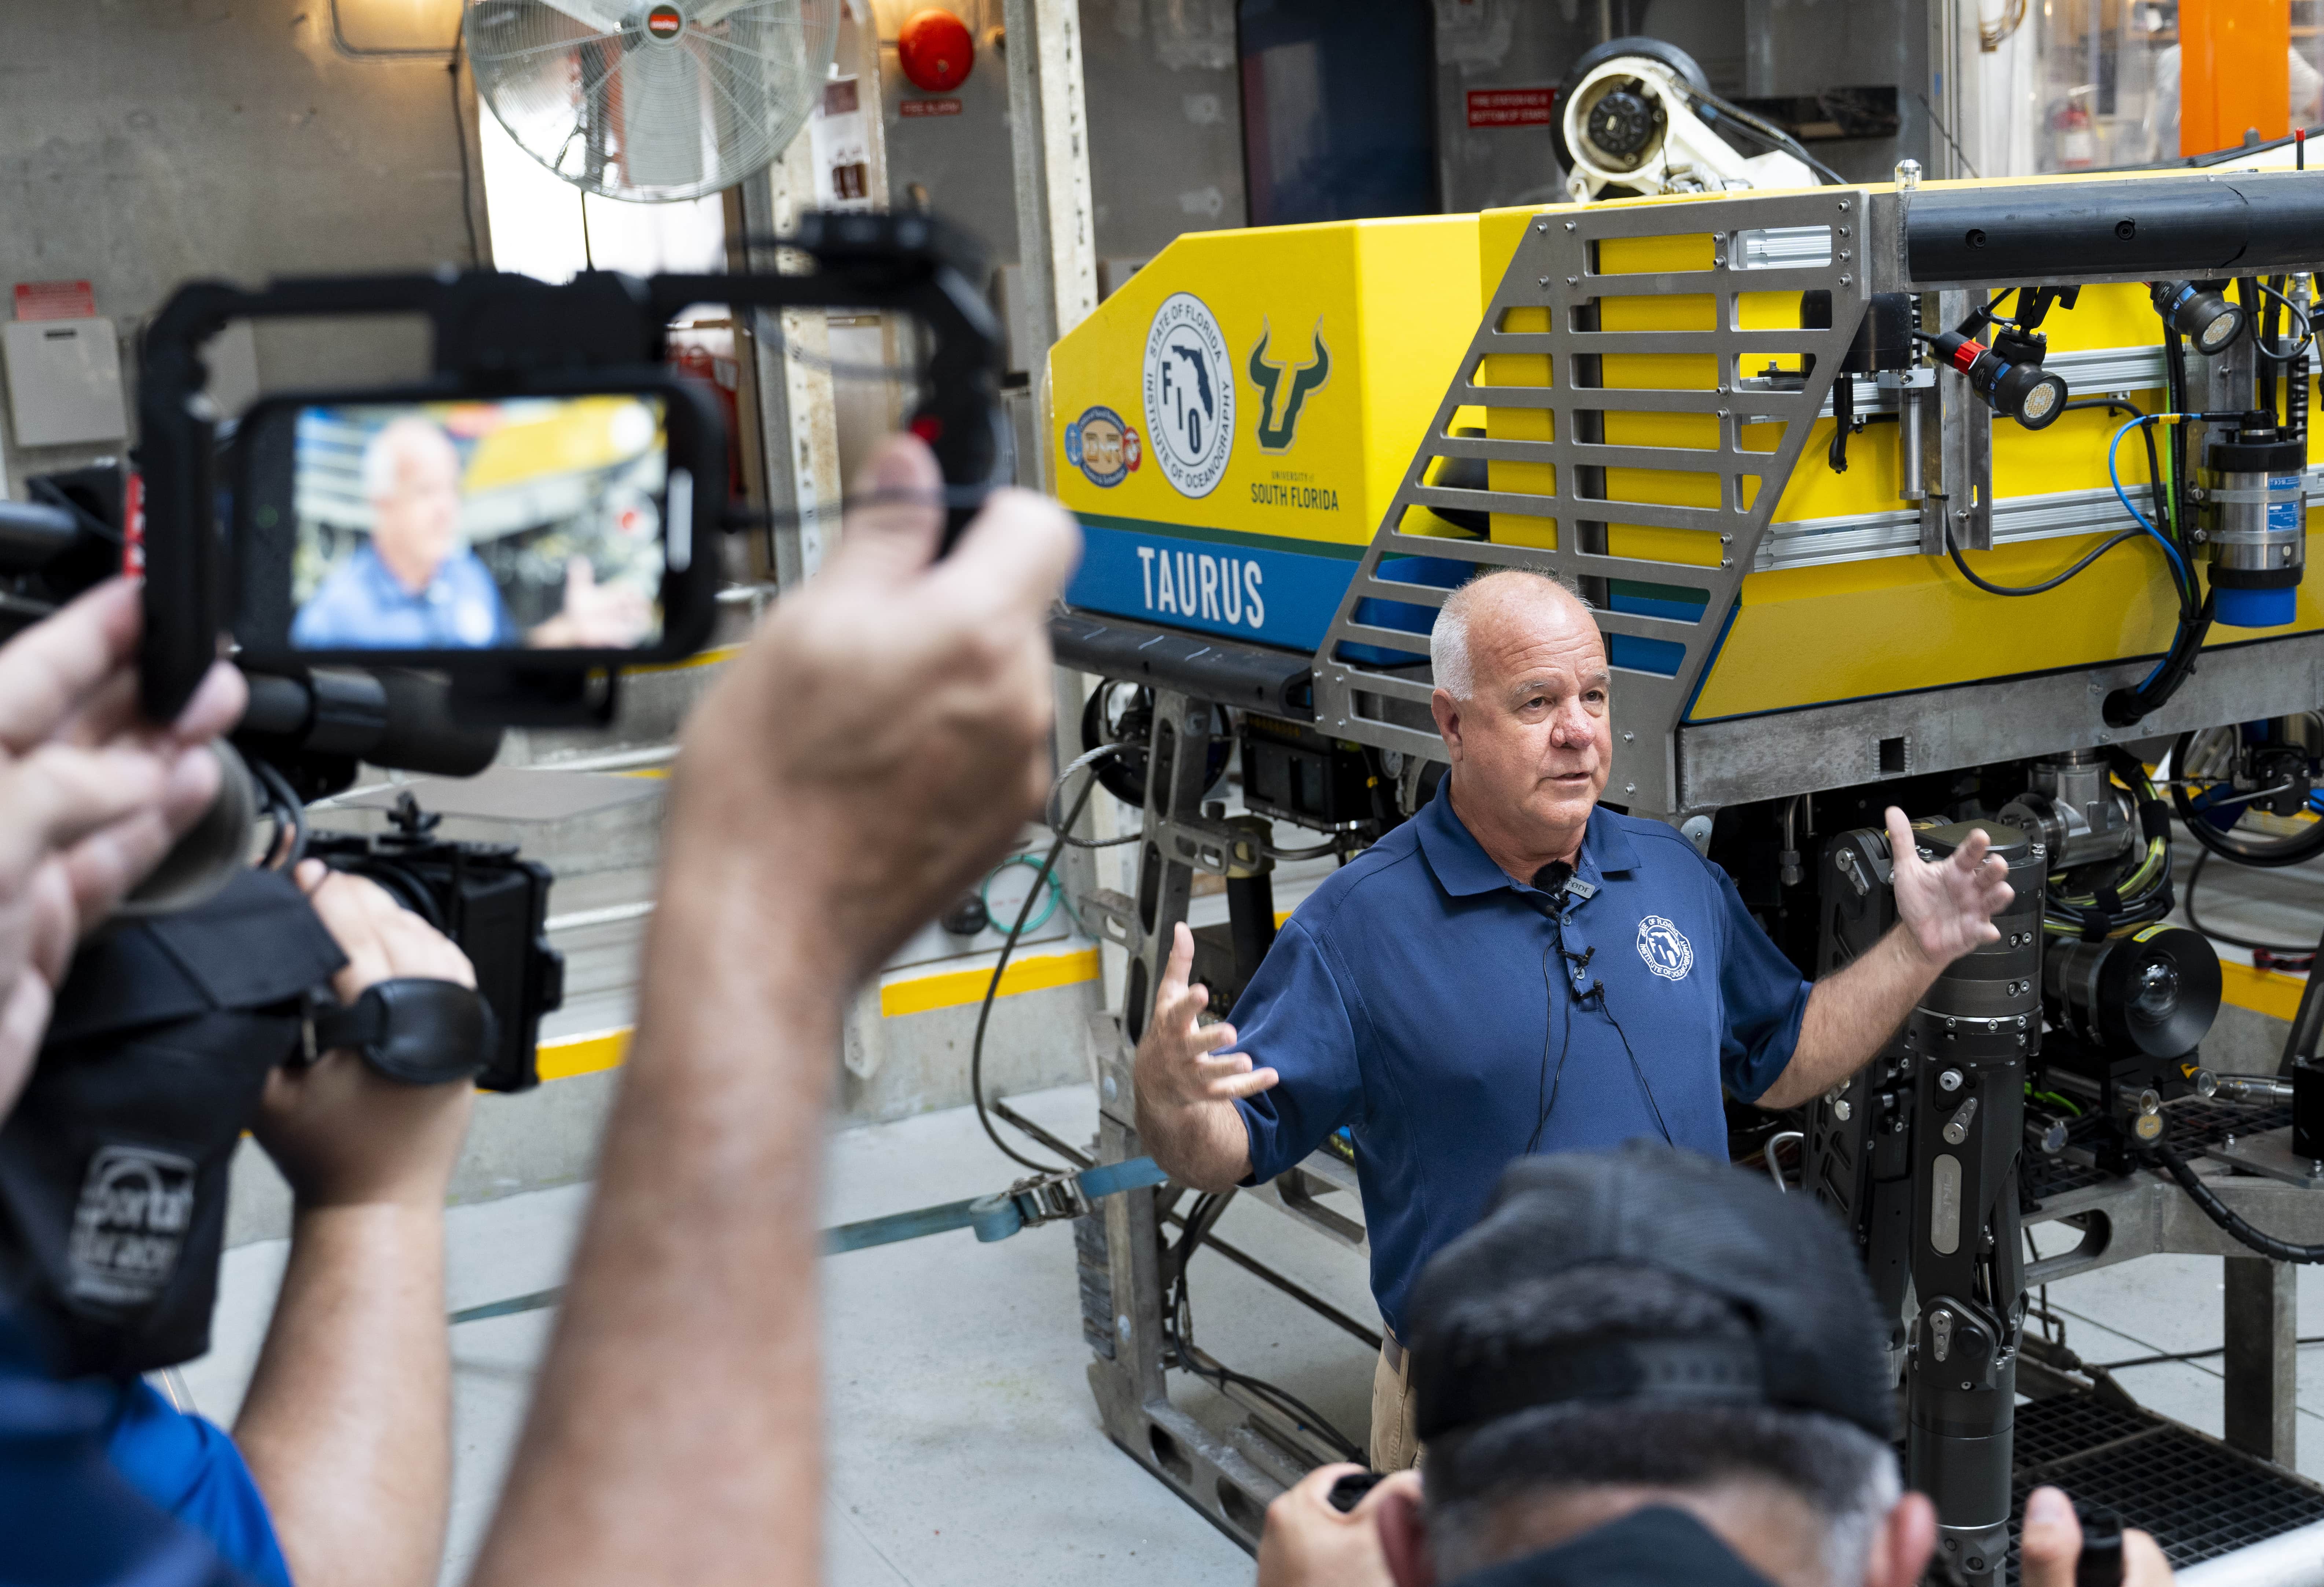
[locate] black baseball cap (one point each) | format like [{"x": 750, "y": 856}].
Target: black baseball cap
[{"x": 1811, "y": 1338}]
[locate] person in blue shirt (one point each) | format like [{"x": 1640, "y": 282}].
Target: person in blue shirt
[
  {"x": 675, "y": 1431},
  {"x": 1518, "y": 970},
  {"x": 341, "y": 1451},
  {"x": 414, "y": 584}
]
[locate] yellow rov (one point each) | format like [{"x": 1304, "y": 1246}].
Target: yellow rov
[{"x": 1298, "y": 440}]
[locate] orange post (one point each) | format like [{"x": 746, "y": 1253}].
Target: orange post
[{"x": 2234, "y": 71}]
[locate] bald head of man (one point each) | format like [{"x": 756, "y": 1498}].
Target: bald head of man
[
  {"x": 1522, "y": 703},
  {"x": 412, "y": 475}
]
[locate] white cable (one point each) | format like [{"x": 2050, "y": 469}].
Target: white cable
[{"x": 1050, "y": 805}]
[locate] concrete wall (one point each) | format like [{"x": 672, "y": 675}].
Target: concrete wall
[
  {"x": 1798, "y": 46},
  {"x": 1165, "y": 125},
  {"x": 148, "y": 143},
  {"x": 1757, "y": 48}
]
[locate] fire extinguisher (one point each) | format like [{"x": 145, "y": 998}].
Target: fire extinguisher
[{"x": 2077, "y": 138}]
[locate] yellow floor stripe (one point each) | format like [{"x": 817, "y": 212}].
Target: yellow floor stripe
[
  {"x": 955, "y": 987},
  {"x": 709, "y": 658},
  {"x": 2263, "y": 991},
  {"x": 584, "y": 1054},
  {"x": 606, "y": 1049}
]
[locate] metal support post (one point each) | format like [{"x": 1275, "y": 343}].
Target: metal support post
[
  {"x": 798, "y": 413},
  {"x": 1177, "y": 771},
  {"x": 1230, "y": 1478},
  {"x": 2262, "y": 1362},
  {"x": 1056, "y": 246},
  {"x": 1957, "y": 454},
  {"x": 1057, "y": 239}
]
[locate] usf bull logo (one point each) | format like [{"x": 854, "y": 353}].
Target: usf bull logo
[{"x": 1279, "y": 402}]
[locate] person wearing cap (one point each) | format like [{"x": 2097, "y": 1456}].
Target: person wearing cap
[
  {"x": 1646, "y": 1367},
  {"x": 1518, "y": 969}
]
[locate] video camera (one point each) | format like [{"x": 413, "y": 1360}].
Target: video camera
[{"x": 402, "y": 572}]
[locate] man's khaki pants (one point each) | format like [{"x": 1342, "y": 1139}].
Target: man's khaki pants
[{"x": 1394, "y": 1448}]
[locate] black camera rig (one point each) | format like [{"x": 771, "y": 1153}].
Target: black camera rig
[{"x": 501, "y": 336}]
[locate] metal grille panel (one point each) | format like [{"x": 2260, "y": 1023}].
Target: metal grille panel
[
  {"x": 2199, "y": 1497},
  {"x": 1556, "y": 274}
]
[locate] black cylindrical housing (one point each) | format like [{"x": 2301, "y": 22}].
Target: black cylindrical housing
[
  {"x": 1969, "y": 1039},
  {"x": 2244, "y": 224},
  {"x": 1251, "y": 919},
  {"x": 2155, "y": 992}
]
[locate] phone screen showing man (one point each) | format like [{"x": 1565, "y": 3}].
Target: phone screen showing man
[{"x": 532, "y": 523}]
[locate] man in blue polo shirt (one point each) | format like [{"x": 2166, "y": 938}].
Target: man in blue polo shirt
[
  {"x": 1517, "y": 969},
  {"x": 414, "y": 584}
]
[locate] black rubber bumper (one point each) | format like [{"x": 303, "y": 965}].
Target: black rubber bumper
[
  {"x": 2159, "y": 229},
  {"x": 1249, "y": 678}
]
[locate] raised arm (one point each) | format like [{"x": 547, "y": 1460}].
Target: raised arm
[
  {"x": 870, "y": 753},
  {"x": 347, "y": 1426}
]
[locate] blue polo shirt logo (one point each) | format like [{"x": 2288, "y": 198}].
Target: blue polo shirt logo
[{"x": 1665, "y": 949}]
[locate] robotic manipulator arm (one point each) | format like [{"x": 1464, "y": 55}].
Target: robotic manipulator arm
[{"x": 2082, "y": 1013}]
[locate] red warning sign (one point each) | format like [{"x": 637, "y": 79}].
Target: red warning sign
[
  {"x": 1511, "y": 107},
  {"x": 55, "y": 299}
]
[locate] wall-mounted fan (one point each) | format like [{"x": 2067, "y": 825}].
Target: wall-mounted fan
[{"x": 651, "y": 100}]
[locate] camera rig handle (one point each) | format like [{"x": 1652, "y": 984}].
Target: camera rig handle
[{"x": 492, "y": 333}]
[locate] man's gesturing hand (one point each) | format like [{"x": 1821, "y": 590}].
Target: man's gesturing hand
[
  {"x": 1187, "y": 1082},
  {"x": 1181, "y": 1063},
  {"x": 91, "y": 795},
  {"x": 1947, "y": 906}
]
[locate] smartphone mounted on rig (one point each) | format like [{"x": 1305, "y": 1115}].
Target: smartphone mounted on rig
[{"x": 540, "y": 511}]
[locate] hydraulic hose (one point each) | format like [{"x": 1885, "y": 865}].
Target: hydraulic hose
[{"x": 2223, "y": 1215}]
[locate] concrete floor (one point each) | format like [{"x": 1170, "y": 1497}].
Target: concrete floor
[{"x": 965, "y": 1444}]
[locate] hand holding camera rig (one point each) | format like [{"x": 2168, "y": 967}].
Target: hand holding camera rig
[{"x": 398, "y": 575}]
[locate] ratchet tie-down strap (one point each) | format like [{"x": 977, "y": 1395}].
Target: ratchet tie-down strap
[{"x": 1045, "y": 1198}]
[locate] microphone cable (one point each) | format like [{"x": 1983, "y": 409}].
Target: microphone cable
[{"x": 1545, "y": 1091}]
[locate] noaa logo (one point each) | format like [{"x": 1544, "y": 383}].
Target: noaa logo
[
  {"x": 1665, "y": 949},
  {"x": 1103, "y": 448},
  {"x": 1189, "y": 395}
]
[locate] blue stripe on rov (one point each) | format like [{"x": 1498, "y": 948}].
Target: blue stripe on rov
[
  {"x": 1257, "y": 593},
  {"x": 1443, "y": 572},
  {"x": 1283, "y": 597}
]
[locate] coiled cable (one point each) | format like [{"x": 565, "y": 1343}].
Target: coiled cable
[{"x": 2223, "y": 1215}]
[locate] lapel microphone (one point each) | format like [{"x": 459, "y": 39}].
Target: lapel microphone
[{"x": 1552, "y": 879}]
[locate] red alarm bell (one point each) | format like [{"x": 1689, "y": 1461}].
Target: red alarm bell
[{"x": 936, "y": 50}]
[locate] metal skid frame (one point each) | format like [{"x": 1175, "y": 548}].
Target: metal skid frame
[
  {"x": 1230, "y": 1475},
  {"x": 1662, "y": 766}
]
